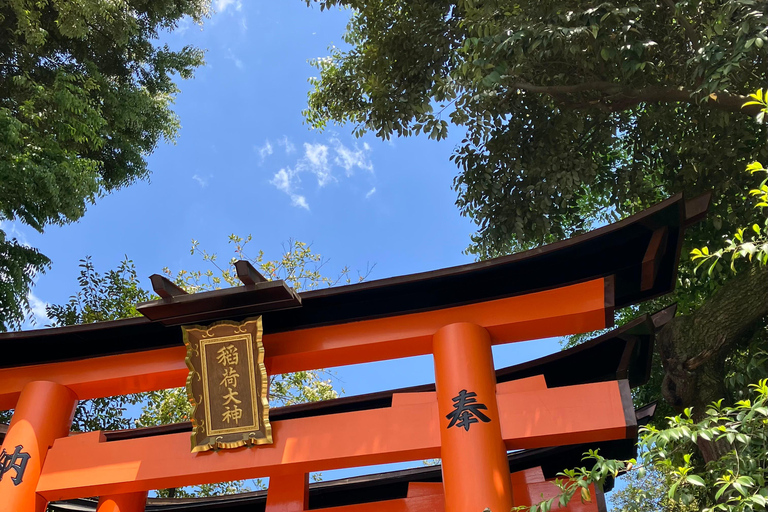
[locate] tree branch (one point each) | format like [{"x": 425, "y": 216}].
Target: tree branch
[
  {"x": 615, "y": 97},
  {"x": 687, "y": 27},
  {"x": 693, "y": 347}
]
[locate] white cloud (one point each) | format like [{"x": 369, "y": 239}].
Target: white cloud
[
  {"x": 265, "y": 150},
  {"x": 286, "y": 180},
  {"x": 300, "y": 201},
  {"x": 222, "y": 5},
  {"x": 318, "y": 160},
  {"x": 203, "y": 182},
  {"x": 12, "y": 229},
  {"x": 287, "y": 144},
  {"x": 39, "y": 315},
  {"x": 282, "y": 180},
  {"x": 231, "y": 56},
  {"x": 183, "y": 25},
  {"x": 350, "y": 158}
]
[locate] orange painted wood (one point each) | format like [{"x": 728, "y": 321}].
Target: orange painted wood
[
  {"x": 84, "y": 465},
  {"x": 535, "y": 383},
  {"x": 288, "y": 493},
  {"x": 102, "y": 376},
  {"x": 475, "y": 464},
  {"x": 567, "y": 310},
  {"x": 430, "y": 503},
  {"x": 527, "y": 423},
  {"x": 530, "y": 494},
  {"x": 429, "y": 497},
  {"x": 44, "y": 413},
  {"x": 133, "y": 502},
  {"x": 527, "y": 476},
  {"x": 424, "y": 489},
  {"x": 570, "y": 309}
]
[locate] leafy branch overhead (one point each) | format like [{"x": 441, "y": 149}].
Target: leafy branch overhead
[
  {"x": 85, "y": 96},
  {"x": 747, "y": 242},
  {"x": 573, "y": 113}
]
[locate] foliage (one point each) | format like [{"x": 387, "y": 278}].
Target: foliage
[
  {"x": 574, "y": 113},
  {"x": 298, "y": 266},
  {"x": 746, "y": 242},
  {"x": 648, "y": 493},
  {"x": 101, "y": 297},
  {"x": 746, "y": 363},
  {"x": 736, "y": 482},
  {"x": 85, "y": 95}
]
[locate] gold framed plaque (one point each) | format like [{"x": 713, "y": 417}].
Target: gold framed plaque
[{"x": 227, "y": 385}]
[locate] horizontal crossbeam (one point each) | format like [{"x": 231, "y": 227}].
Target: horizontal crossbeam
[
  {"x": 86, "y": 465},
  {"x": 568, "y": 310}
]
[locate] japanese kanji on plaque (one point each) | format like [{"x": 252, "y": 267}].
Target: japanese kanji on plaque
[{"x": 227, "y": 385}]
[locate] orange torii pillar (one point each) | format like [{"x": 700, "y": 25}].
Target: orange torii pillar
[
  {"x": 129, "y": 502},
  {"x": 43, "y": 413},
  {"x": 474, "y": 457}
]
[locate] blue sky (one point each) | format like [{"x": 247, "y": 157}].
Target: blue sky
[{"x": 244, "y": 162}]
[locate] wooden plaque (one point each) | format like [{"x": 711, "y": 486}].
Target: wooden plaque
[{"x": 227, "y": 385}]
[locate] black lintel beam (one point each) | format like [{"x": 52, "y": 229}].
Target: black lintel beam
[
  {"x": 696, "y": 208},
  {"x": 247, "y": 274},
  {"x": 164, "y": 287},
  {"x": 652, "y": 258}
]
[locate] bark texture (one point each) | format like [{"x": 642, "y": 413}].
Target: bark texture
[{"x": 693, "y": 347}]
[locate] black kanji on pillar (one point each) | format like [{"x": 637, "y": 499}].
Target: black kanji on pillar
[
  {"x": 467, "y": 410},
  {"x": 16, "y": 461}
]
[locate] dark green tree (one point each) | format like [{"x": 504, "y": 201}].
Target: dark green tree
[
  {"x": 576, "y": 114},
  {"x": 85, "y": 95}
]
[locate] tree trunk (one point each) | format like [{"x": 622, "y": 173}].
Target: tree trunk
[{"x": 693, "y": 347}]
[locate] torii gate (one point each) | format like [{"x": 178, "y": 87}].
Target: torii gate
[{"x": 455, "y": 314}]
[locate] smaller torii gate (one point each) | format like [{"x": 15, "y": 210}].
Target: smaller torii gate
[{"x": 456, "y": 314}]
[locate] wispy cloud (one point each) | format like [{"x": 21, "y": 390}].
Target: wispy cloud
[
  {"x": 265, "y": 150},
  {"x": 370, "y": 193},
  {"x": 202, "y": 181},
  {"x": 39, "y": 315},
  {"x": 231, "y": 56},
  {"x": 183, "y": 26},
  {"x": 300, "y": 201},
  {"x": 316, "y": 161},
  {"x": 287, "y": 179},
  {"x": 319, "y": 160},
  {"x": 12, "y": 229},
  {"x": 349, "y": 158},
  {"x": 222, "y": 5},
  {"x": 287, "y": 145}
]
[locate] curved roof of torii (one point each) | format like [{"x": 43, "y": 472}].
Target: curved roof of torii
[{"x": 640, "y": 252}]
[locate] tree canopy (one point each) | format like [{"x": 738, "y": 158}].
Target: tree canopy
[
  {"x": 85, "y": 95},
  {"x": 577, "y": 114},
  {"x": 574, "y": 113}
]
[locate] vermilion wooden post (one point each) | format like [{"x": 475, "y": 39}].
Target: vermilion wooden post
[
  {"x": 288, "y": 493},
  {"x": 129, "y": 502},
  {"x": 43, "y": 413},
  {"x": 474, "y": 458}
]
